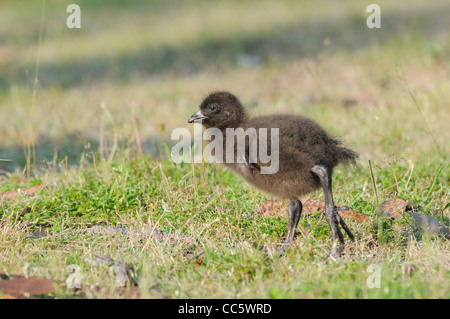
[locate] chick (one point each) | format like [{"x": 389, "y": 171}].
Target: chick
[{"x": 305, "y": 154}]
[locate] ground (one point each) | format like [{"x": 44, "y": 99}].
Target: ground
[{"x": 94, "y": 131}]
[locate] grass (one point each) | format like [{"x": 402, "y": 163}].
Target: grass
[{"x": 118, "y": 87}]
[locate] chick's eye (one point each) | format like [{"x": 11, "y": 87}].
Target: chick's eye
[{"x": 213, "y": 107}]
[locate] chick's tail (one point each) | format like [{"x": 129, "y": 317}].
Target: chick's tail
[{"x": 346, "y": 156}]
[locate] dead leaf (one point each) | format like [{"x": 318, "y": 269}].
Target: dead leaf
[
  {"x": 312, "y": 206},
  {"x": 16, "y": 193},
  {"x": 22, "y": 286},
  {"x": 394, "y": 208},
  {"x": 350, "y": 214},
  {"x": 397, "y": 208},
  {"x": 199, "y": 258},
  {"x": 271, "y": 208}
]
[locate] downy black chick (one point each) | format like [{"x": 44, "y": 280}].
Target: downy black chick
[{"x": 306, "y": 156}]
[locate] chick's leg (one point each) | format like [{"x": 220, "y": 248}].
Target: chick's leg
[
  {"x": 331, "y": 211},
  {"x": 294, "y": 209}
]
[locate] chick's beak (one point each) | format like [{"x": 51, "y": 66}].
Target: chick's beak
[{"x": 198, "y": 116}]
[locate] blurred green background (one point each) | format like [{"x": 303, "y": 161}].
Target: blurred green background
[{"x": 137, "y": 69}]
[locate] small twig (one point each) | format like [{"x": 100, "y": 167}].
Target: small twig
[
  {"x": 434, "y": 182},
  {"x": 95, "y": 168},
  {"x": 374, "y": 184},
  {"x": 31, "y": 147},
  {"x": 67, "y": 171},
  {"x": 209, "y": 225},
  {"x": 166, "y": 180},
  {"x": 410, "y": 171},
  {"x": 220, "y": 184},
  {"x": 201, "y": 252},
  {"x": 136, "y": 131},
  {"x": 203, "y": 175},
  {"x": 101, "y": 146},
  {"x": 428, "y": 128},
  {"x": 396, "y": 182},
  {"x": 115, "y": 138},
  {"x": 193, "y": 178}
]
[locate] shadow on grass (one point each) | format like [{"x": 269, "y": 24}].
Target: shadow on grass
[
  {"x": 284, "y": 43},
  {"x": 51, "y": 152}
]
